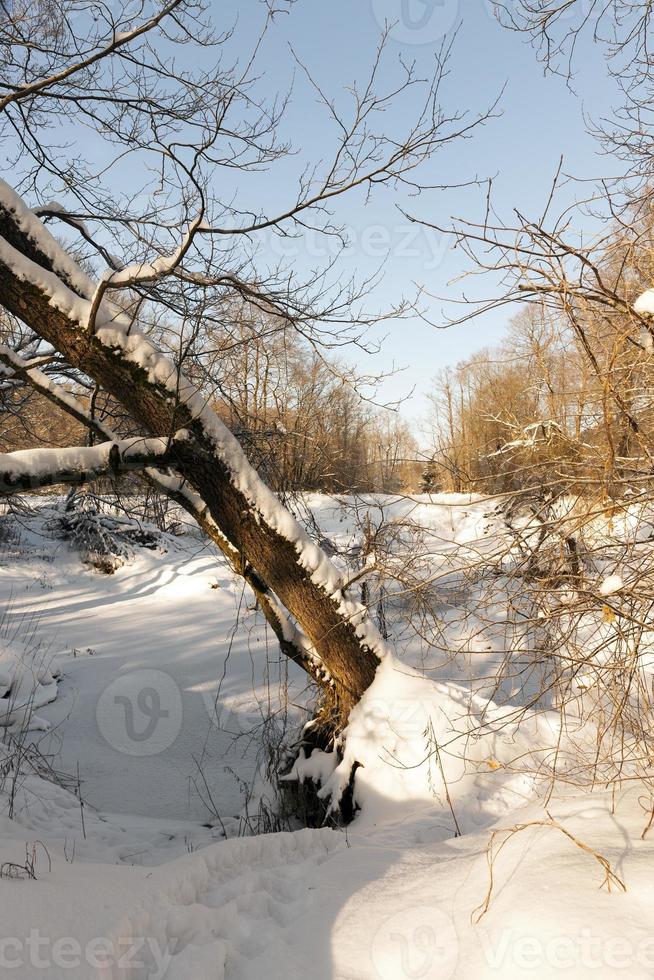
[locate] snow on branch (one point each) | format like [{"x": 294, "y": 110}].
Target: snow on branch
[
  {"x": 66, "y": 270},
  {"x": 12, "y": 365},
  {"x": 645, "y": 303},
  {"x": 55, "y": 209},
  {"x": 30, "y": 469},
  {"x": 529, "y": 436},
  {"x": 141, "y": 273},
  {"x": 117, "y": 39}
]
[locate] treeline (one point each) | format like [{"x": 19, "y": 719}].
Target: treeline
[
  {"x": 565, "y": 402},
  {"x": 301, "y": 417}
]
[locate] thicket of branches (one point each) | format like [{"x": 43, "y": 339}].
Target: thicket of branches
[{"x": 558, "y": 419}]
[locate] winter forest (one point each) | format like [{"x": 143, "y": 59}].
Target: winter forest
[{"x": 326, "y": 500}]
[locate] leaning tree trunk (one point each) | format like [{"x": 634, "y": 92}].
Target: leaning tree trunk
[
  {"x": 42, "y": 286},
  {"x": 292, "y": 641}
]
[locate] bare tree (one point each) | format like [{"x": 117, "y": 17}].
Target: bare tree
[{"x": 155, "y": 269}]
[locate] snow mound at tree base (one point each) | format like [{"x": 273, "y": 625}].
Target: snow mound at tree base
[
  {"x": 28, "y": 680},
  {"x": 422, "y": 745}
]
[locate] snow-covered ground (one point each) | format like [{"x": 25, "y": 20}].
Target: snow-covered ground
[
  {"x": 155, "y": 685},
  {"x": 142, "y": 655}
]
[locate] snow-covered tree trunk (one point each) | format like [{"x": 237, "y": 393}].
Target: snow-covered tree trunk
[{"x": 41, "y": 285}]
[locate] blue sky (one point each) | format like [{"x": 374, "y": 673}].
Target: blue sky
[{"x": 541, "y": 119}]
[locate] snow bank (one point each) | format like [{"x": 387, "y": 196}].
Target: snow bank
[
  {"x": 220, "y": 913},
  {"x": 388, "y": 899},
  {"x": 28, "y": 680},
  {"x": 315, "y": 904},
  {"x": 429, "y": 746}
]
